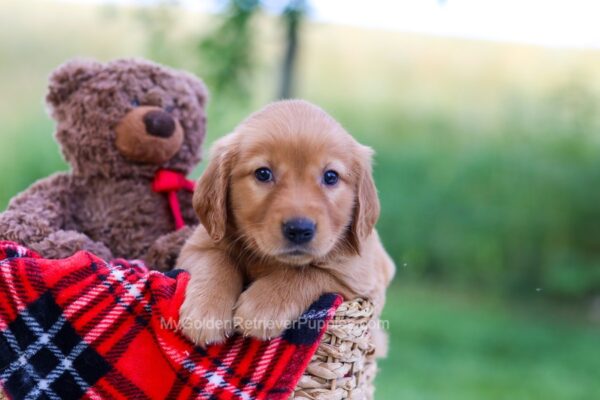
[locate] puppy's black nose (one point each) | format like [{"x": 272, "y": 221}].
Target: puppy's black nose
[
  {"x": 159, "y": 123},
  {"x": 299, "y": 230}
]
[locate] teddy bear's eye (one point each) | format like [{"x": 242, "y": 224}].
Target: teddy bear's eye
[{"x": 135, "y": 102}]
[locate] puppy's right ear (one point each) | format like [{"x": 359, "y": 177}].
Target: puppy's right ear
[{"x": 210, "y": 196}]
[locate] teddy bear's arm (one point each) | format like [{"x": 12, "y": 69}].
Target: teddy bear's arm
[
  {"x": 64, "y": 243},
  {"x": 37, "y": 218},
  {"x": 36, "y": 212},
  {"x": 163, "y": 253}
]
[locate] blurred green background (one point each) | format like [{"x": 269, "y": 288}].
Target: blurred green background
[{"x": 487, "y": 164}]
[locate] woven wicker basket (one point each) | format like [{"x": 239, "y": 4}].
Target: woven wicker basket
[{"x": 343, "y": 366}]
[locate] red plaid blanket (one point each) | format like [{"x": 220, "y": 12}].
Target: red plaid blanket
[{"x": 82, "y": 327}]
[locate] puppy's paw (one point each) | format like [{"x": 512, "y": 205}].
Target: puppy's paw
[
  {"x": 263, "y": 314},
  {"x": 206, "y": 320}
]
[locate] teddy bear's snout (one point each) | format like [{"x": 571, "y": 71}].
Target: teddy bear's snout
[
  {"x": 148, "y": 134},
  {"x": 159, "y": 123}
]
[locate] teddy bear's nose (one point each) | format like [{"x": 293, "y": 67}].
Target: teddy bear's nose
[{"x": 159, "y": 123}]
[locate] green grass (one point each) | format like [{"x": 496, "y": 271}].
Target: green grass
[{"x": 450, "y": 345}]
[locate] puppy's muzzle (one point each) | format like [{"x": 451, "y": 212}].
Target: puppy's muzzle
[{"x": 299, "y": 230}]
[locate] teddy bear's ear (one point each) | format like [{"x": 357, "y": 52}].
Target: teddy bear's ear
[
  {"x": 198, "y": 87},
  {"x": 67, "y": 78}
]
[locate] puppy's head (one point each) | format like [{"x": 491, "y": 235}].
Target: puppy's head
[{"x": 291, "y": 184}]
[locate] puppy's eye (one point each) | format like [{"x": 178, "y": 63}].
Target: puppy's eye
[
  {"x": 170, "y": 108},
  {"x": 264, "y": 174},
  {"x": 135, "y": 103},
  {"x": 330, "y": 177}
]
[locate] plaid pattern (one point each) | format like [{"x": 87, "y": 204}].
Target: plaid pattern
[{"x": 84, "y": 328}]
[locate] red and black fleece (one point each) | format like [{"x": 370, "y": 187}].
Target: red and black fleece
[{"x": 82, "y": 327}]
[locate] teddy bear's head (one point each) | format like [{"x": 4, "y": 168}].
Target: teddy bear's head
[{"x": 127, "y": 117}]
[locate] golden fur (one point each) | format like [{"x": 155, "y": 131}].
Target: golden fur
[{"x": 243, "y": 274}]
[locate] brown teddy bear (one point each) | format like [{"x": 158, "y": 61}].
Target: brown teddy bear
[{"x": 131, "y": 130}]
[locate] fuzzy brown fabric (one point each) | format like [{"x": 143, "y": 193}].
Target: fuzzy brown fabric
[{"x": 105, "y": 204}]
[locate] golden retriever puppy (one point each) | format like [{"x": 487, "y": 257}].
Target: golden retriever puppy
[{"x": 287, "y": 205}]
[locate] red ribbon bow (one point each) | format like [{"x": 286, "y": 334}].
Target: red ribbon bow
[{"x": 170, "y": 182}]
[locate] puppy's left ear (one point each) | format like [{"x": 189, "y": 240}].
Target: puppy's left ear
[{"x": 366, "y": 206}]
